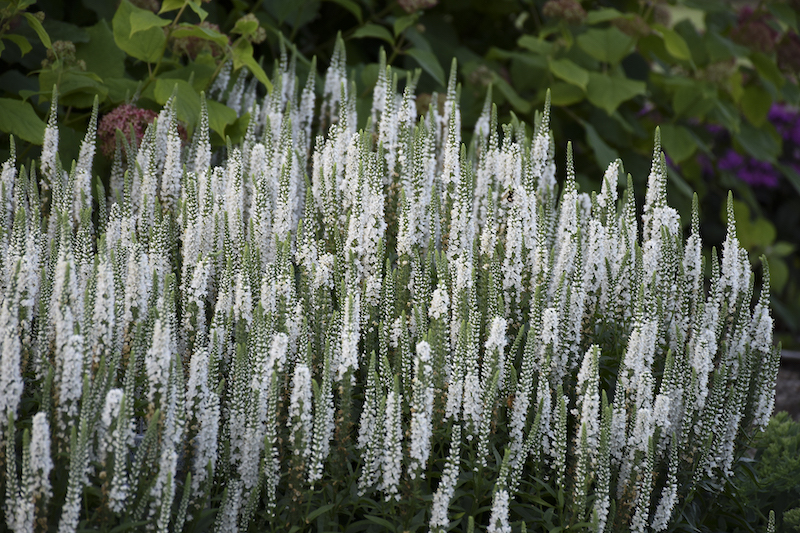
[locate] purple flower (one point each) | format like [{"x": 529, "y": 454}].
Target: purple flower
[{"x": 731, "y": 160}]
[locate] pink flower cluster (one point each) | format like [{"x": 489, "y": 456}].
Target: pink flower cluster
[{"x": 123, "y": 118}]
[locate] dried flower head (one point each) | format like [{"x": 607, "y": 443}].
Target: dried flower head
[
  {"x": 754, "y": 31},
  {"x": 194, "y": 46},
  {"x": 634, "y": 26},
  {"x": 788, "y": 51},
  {"x": 569, "y": 11},
  {"x": 150, "y": 5},
  {"x": 123, "y": 118},
  {"x": 412, "y": 6}
]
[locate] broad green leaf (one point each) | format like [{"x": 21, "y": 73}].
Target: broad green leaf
[
  {"x": 75, "y": 88},
  {"x": 34, "y": 23},
  {"x": 516, "y": 101},
  {"x": 23, "y": 43},
  {"x": 726, "y": 114},
  {"x": 352, "y": 7},
  {"x": 678, "y": 142},
  {"x": 148, "y": 45},
  {"x": 194, "y": 5},
  {"x": 596, "y": 16},
  {"x": 783, "y": 248},
  {"x": 171, "y": 5},
  {"x": 756, "y": 102},
  {"x": 563, "y": 94},
  {"x": 533, "y": 44},
  {"x": 758, "y": 143},
  {"x": 768, "y": 69},
  {"x": 245, "y": 27},
  {"x": 374, "y": 31},
  {"x": 675, "y": 44},
  {"x": 570, "y": 72},
  {"x": 609, "y": 44},
  {"x": 693, "y": 101},
  {"x": 187, "y": 101},
  {"x": 427, "y": 60},
  {"x": 101, "y": 54},
  {"x": 219, "y": 116},
  {"x": 2, "y": 47},
  {"x": 20, "y": 119},
  {"x": 144, "y": 20},
  {"x": 778, "y": 274},
  {"x": 120, "y": 89},
  {"x": 402, "y": 23},
  {"x": 607, "y": 92},
  {"x": 198, "y": 74},
  {"x": 603, "y": 153},
  {"x": 193, "y": 30},
  {"x": 243, "y": 57}
]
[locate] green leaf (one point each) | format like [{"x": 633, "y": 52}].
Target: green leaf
[
  {"x": 101, "y": 54},
  {"x": 427, "y": 60},
  {"x": 20, "y": 120},
  {"x": 758, "y": 143},
  {"x": 144, "y": 20},
  {"x": 245, "y": 27},
  {"x": 23, "y": 43},
  {"x": 768, "y": 69},
  {"x": 609, "y": 44},
  {"x": 381, "y": 522},
  {"x": 678, "y": 142},
  {"x": 352, "y": 7},
  {"x": 193, "y": 30},
  {"x": 596, "y": 16},
  {"x": 603, "y": 153},
  {"x": 609, "y": 92},
  {"x": 319, "y": 511},
  {"x": 756, "y": 102},
  {"x": 402, "y": 23},
  {"x": 675, "y": 44},
  {"x": 516, "y": 101},
  {"x": 785, "y": 13},
  {"x": 563, "y": 94},
  {"x": 148, "y": 45},
  {"x": 187, "y": 101},
  {"x": 243, "y": 56},
  {"x": 375, "y": 31},
  {"x": 778, "y": 274},
  {"x": 569, "y": 72},
  {"x": 171, "y": 5},
  {"x": 792, "y": 175},
  {"x": 194, "y": 5},
  {"x": 34, "y": 23},
  {"x": 693, "y": 101},
  {"x": 2, "y": 47},
  {"x": 75, "y": 88},
  {"x": 219, "y": 116},
  {"x": 120, "y": 89},
  {"x": 536, "y": 45}
]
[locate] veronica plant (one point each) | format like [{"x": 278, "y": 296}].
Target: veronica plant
[{"x": 374, "y": 329}]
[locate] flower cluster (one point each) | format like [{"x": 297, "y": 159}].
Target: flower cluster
[
  {"x": 127, "y": 118},
  {"x": 243, "y": 337},
  {"x": 754, "y": 172}
]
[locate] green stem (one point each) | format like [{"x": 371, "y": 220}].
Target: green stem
[{"x": 171, "y": 28}]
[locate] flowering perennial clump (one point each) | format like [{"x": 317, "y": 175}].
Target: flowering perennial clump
[{"x": 375, "y": 325}]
